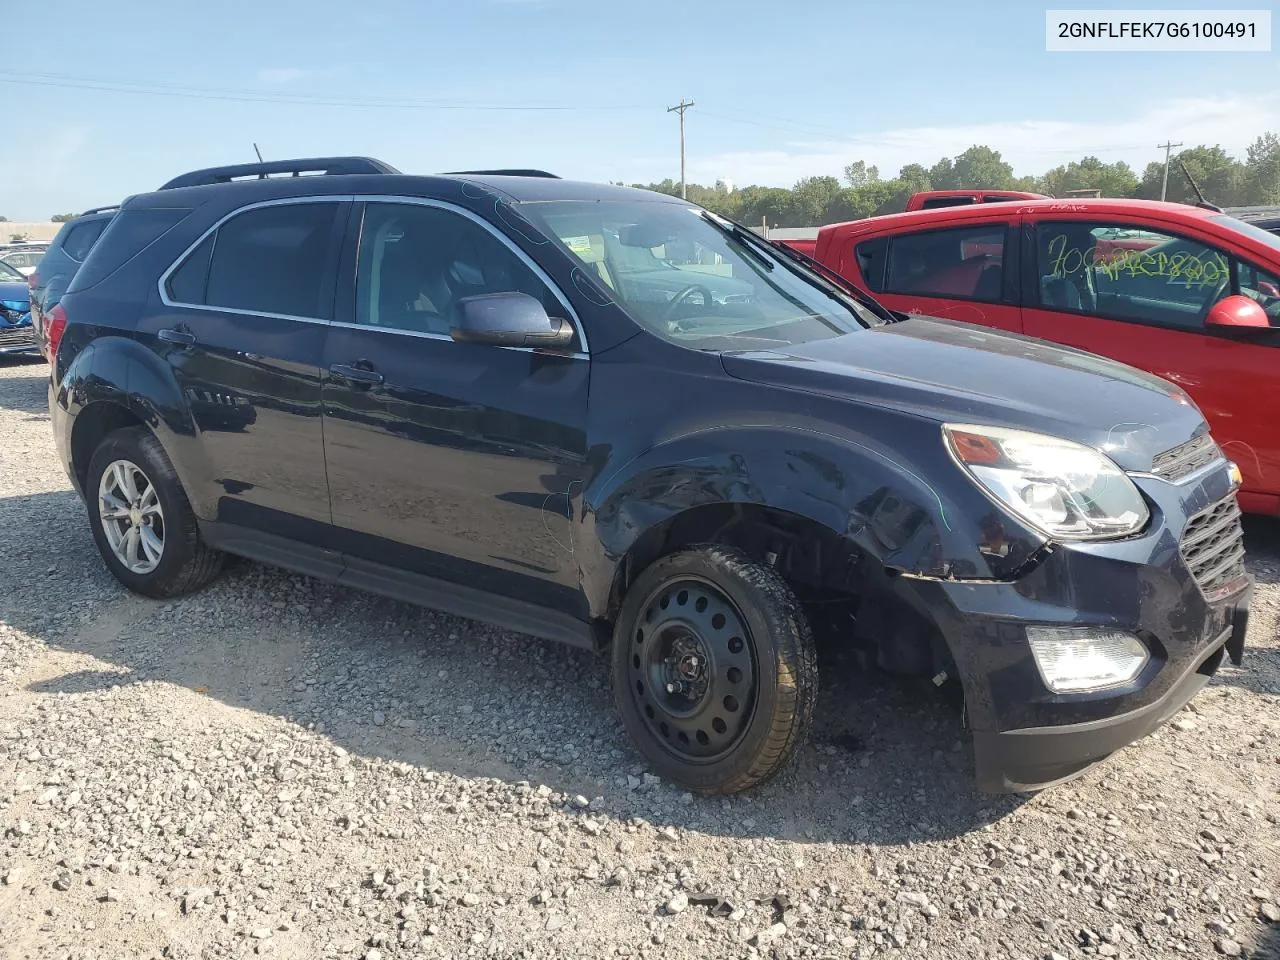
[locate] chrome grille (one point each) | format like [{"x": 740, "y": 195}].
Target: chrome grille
[
  {"x": 1213, "y": 549},
  {"x": 17, "y": 336},
  {"x": 1182, "y": 461}
]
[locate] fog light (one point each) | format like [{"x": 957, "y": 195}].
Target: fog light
[{"x": 1074, "y": 659}]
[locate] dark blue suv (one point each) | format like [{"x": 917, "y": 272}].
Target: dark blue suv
[{"x": 608, "y": 417}]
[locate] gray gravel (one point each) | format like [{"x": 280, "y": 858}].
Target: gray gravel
[{"x": 284, "y": 768}]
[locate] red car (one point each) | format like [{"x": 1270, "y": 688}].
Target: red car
[{"x": 1187, "y": 293}]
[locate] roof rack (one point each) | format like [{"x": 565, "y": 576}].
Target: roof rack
[
  {"x": 325, "y": 166},
  {"x": 502, "y": 173},
  {"x": 93, "y": 210}
]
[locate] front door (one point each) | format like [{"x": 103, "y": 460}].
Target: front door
[
  {"x": 460, "y": 461},
  {"x": 965, "y": 272},
  {"x": 242, "y": 330},
  {"x": 1140, "y": 295}
]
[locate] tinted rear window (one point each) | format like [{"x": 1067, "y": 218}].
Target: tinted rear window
[
  {"x": 272, "y": 260},
  {"x": 934, "y": 202},
  {"x": 80, "y": 238},
  {"x": 130, "y": 232}
]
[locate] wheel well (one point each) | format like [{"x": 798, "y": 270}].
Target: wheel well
[
  {"x": 92, "y": 425},
  {"x": 849, "y": 595},
  {"x": 809, "y": 556}
]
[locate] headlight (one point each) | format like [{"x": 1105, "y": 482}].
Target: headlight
[
  {"x": 1075, "y": 659},
  {"x": 1063, "y": 488}
]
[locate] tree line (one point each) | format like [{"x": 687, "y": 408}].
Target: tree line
[{"x": 1224, "y": 180}]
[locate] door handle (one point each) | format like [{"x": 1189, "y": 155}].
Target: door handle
[
  {"x": 180, "y": 337},
  {"x": 361, "y": 376}
]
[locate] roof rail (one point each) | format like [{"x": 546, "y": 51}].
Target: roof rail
[
  {"x": 327, "y": 166},
  {"x": 503, "y": 173},
  {"x": 93, "y": 210}
]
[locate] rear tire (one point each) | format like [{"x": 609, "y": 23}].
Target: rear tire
[
  {"x": 714, "y": 669},
  {"x": 141, "y": 519}
]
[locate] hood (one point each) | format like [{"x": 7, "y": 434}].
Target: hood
[
  {"x": 13, "y": 291},
  {"x": 960, "y": 373}
]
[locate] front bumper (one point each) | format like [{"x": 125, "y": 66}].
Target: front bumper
[
  {"x": 1026, "y": 737},
  {"x": 18, "y": 338},
  {"x": 1016, "y": 761}
]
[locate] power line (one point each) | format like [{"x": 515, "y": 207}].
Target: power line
[
  {"x": 680, "y": 108},
  {"x": 150, "y": 88},
  {"x": 1167, "y": 148}
]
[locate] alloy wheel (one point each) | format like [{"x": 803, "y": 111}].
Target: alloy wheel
[{"x": 131, "y": 515}]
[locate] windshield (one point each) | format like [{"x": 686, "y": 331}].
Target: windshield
[
  {"x": 698, "y": 281},
  {"x": 1249, "y": 229},
  {"x": 8, "y": 273}
]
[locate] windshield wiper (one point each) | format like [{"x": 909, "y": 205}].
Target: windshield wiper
[
  {"x": 824, "y": 273},
  {"x": 743, "y": 236}
]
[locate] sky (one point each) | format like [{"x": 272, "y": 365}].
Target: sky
[{"x": 133, "y": 92}]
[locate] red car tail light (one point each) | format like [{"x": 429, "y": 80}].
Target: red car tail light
[{"x": 55, "y": 328}]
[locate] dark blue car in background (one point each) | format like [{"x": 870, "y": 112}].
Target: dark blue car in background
[{"x": 16, "y": 335}]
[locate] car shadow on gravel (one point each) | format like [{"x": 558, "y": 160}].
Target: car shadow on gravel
[
  {"x": 887, "y": 762},
  {"x": 22, "y": 391}
]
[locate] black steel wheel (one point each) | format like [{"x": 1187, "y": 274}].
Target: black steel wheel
[{"x": 714, "y": 669}]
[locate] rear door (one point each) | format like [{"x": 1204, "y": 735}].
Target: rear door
[
  {"x": 1139, "y": 293},
  {"x": 966, "y": 270},
  {"x": 457, "y": 461},
  {"x": 241, "y": 326}
]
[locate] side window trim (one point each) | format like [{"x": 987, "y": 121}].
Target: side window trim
[
  {"x": 163, "y": 283},
  {"x": 570, "y": 313}
]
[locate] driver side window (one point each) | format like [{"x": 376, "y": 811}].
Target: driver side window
[
  {"x": 416, "y": 262},
  {"x": 1128, "y": 273}
]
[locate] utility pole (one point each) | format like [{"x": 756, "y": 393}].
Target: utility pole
[
  {"x": 1167, "y": 148},
  {"x": 680, "y": 108}
]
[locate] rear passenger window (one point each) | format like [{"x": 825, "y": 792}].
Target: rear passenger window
[
  {"x": 80, "y": 238},
  {"x": 272, "y": 260},
  {"x": 965, "y": 263},
  {"x": 870, "y": 255}
]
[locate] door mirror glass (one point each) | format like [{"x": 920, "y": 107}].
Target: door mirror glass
[
  {"x": 508, "y": 320},
  {"x": 1237, "y": 311}
]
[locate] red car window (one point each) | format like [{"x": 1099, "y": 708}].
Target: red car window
[
  {"x": 1153, "y": 278},
  {"x": 964, "y": 262}
]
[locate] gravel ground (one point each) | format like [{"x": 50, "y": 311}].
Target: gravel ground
[{"x": 280, "y": 767}]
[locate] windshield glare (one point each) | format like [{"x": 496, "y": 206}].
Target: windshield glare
[
  {"x": 8, "y": 273},
  {"x": 691, "y": 281}
]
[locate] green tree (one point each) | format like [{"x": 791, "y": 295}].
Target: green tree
[
  {"x": 62, "y": 217},
  {"x": 981, "y": 167},
  {"x": 814, "y": 198},
  {"x": 914, "y": 178},
  {"x": 858, "y": 174},
  {"x": 1262, "y": 171},
  {"x": 1113, "y": 179},
  {"x": 4, "y": 219},
  {"x": 942, "y": 175},
  {"x": 1219, "y": 175}
]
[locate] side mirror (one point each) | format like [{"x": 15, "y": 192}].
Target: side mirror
[
  {"x": 508, "y": 320},
  {"x": 1237, "y": 312}
]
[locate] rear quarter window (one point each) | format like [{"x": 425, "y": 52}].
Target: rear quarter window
[{"x": 130, "y": 232}]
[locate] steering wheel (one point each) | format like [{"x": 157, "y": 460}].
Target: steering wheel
[{"x": 684, "y": 295}]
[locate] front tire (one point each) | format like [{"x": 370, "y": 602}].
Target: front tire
[
  {"x": 714, "y": 669},
  {"x": 141, "y": 519}
]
